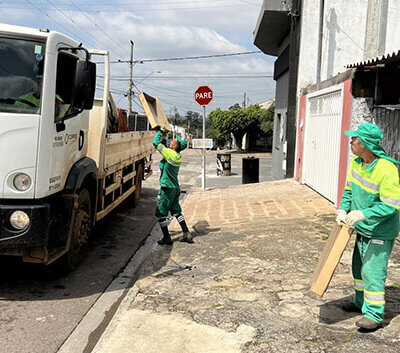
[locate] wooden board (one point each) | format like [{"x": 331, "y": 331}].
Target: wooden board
[
  {"x": 330, "y": 258},
  {"x": 154, "y": 111}
]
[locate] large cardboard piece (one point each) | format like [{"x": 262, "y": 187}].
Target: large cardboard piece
[
  {"x": 154, "y": 111},
  {"x": 330, "y": 258}
]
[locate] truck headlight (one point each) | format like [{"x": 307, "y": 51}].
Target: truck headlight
[
  {"x": 22, "y": 182},
  {"x": 20, "y": 220}
]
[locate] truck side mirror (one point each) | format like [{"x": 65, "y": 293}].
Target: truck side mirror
[{"x": 84, "y": 86}]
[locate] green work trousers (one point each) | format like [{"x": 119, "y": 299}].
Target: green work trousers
[
  {"x": 370, "y": 260},
  {"x": 168, "y": 201}
]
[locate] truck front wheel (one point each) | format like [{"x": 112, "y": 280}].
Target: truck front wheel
[{"x": 80, "y": 231}]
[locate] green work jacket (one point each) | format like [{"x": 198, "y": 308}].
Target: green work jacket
[
  {"x": 169, "y": 165},
  {"x": 375, "y": 191}
]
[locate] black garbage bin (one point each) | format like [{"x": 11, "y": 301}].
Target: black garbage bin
[
  {"x": 250, "y": 170},
  {"x": 223, "y": 164}
]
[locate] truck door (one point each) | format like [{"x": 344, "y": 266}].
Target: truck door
[{"x": 69, "y": 144}]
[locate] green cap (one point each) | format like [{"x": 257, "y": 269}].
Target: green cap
[
  {"x": 182, "y": 144},
  {"x": 370, "y": 136}
]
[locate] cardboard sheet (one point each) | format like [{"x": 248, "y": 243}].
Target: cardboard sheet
[
  {"x": 154, "y": 111},
  {"x": 329, "y": 259}
]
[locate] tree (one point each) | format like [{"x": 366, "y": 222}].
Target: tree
[{"x": 239, "y": 121}]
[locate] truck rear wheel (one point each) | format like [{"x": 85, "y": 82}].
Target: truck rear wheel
[
  {"x": 80, "y": 231},
  {"x": 138, "y": 191}
]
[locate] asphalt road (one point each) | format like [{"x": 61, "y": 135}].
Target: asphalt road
[{"x": 40, "y": 306}]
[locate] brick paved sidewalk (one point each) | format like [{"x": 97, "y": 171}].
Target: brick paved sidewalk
[{"x": 231, "y": 206}]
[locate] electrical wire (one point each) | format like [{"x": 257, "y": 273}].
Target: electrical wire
[
  {"x": 96, "y": 25},
  {"x": 142, "y": 61},
  {"x": 72, "y": 20},
  {"x": 97, "y": 9},
  {"x": 51, "y": 19}
]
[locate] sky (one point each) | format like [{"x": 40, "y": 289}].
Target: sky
[{"x": 163, "y": 29}]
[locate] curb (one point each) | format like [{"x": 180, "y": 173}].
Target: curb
[{"x": 90, "y": 329}]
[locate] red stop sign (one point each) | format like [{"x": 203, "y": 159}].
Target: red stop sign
[{"x": 203, "y": 95}]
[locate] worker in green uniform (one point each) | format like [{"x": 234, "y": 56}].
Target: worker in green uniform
[
  {"x": 168, "y": 196},
  {"x": 370, "y": 203}
]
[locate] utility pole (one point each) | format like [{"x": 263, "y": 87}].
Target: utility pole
[
  {"x": 130, "y": 82},
  {"x": 244, "y": 100}
]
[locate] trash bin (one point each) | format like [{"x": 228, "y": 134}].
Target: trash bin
[
  {"x": 223, "y": 164},
  {"x": 250, "y": 170}
]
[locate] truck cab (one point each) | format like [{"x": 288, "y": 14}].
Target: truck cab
[{"x": 47, "y": 86}]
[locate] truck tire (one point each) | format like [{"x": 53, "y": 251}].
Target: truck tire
[
  {"x": 80, "y": 231},
  {"x": 138, "y": 183}
]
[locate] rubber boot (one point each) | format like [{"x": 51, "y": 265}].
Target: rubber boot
[
  {"x": 187, "y": 238},
  {"x": 166, "y": 239}
]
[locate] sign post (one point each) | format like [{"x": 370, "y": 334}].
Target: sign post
[{"x": 203, "y": 96}]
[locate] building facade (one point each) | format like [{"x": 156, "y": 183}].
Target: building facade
[{"x": 348, "y": 64}]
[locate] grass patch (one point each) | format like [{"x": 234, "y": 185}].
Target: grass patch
[
  {"x": 217, "y": 306},
  {"x": 217, "y": 279}
]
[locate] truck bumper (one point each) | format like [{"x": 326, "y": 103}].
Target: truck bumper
[{"x": 37, "y": 233}]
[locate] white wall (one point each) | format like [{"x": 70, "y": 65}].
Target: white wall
[
  {"x": 308, "y": 43},
  {"x": 393, "y": 27},
  {"x": 343, "y": 38}
]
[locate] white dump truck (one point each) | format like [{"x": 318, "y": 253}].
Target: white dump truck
[{"x": 61, "y": 171}]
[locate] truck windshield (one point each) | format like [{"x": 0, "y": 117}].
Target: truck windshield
[{"x": 21, "y": 75}]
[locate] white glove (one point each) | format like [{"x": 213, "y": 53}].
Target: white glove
[
  {"x": 354, "y": 216},
  {"x": 341, "y": 216}
]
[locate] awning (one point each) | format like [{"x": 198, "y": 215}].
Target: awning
[{"x": 382, "y": 59}]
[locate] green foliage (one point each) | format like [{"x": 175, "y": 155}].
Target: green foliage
[{"x": 238, "y": 121}]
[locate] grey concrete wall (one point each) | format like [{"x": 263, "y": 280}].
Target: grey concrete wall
[{"x": 388, "y": 120}]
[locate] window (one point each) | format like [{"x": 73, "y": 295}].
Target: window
[
  {"x": 278, "y": 132},
  {"x": 21, "y": 75},
  {"x": 66, "y": 67}
]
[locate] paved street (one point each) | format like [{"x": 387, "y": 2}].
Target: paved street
[
  {"x": 39, "y": 306},
  {"x": 244, "y": 285}
]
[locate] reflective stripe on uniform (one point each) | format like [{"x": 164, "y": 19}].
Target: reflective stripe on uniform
[
  {"x": 180, "y": 219},
  {"x": 363, "y": 182},
  {"x": 160, "y": 147},
  {"x": 349, "y": 184},
  {"x": 174, "y": 163},
  {"x": 391, "y": 202},
  {"x": 359, "y": 285},
  {"x": 375, "y": 298}
]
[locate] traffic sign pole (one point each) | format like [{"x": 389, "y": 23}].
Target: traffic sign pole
[
  {"x": 203, "y": 178},
  {"x": 203, "y": 96}
]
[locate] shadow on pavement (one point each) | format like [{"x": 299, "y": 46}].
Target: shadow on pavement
[
  {"x": 112, "y": 244},
  {"x": 392, "y": 309},
  {"x": 332, "y": 313},
  {"x": 202, "y": 228}
]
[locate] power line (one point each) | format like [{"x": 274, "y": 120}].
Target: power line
[
  {"x": 90, "y": 19},
  {"x": 70, "y": 18},
  {"x": 97, "y": 9},
  {"x": 51, "y": 19},
  {"x": 141, "y": 61}
]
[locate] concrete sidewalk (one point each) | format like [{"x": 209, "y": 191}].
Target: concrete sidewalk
[{"x": 243, "y": 286}]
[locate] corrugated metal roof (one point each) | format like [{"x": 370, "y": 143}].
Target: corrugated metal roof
[{"x": 378, "y": 60}]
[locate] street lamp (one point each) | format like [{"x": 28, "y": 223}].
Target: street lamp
[{"x": 154, "y": 72}]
